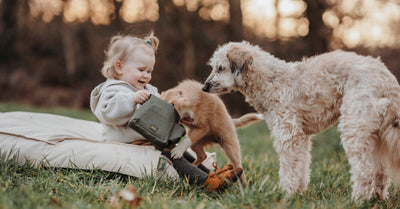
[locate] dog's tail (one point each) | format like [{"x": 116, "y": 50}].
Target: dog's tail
[{"x": 247, "y": 119}]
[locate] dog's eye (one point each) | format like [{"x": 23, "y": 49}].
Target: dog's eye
[{"x": 220, "y": 68}]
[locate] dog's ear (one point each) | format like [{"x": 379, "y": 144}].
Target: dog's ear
[
  {"x": 167, "y": 95},
  {"x": 164, "y": 95},
  {"x": 171, "y": 94},
  {"x": 239, "y": 59}
]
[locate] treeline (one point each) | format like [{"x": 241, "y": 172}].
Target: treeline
[{"x": 58, "y": 63}]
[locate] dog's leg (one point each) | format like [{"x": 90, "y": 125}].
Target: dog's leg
[
  {"x": 180, "y": 148},
  {"x": 368, "y": 174},
  {"x": 359, "y": 150},
  {"x": 198, "y": 148},
  {"x": 382, "y": 179},
  {"x": 359, "y": 125},
  {"x": 293, "y": 148},
  {"x": 193, "y": 136},
  {"x": 230, "y": 145},
  {"x": 232, "y": 150}
]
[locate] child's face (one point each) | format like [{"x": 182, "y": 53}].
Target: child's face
[{"x": 138, "y": 68}]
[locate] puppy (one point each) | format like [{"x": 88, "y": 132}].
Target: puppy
[
  {"x": 208, "y": 122},
  {"x": 300, "y": 99}
]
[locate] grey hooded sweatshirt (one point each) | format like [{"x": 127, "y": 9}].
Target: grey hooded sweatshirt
[{"x": 112, "y": 103}]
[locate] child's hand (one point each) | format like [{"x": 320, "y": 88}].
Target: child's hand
[{"x": 140, "y": 96}]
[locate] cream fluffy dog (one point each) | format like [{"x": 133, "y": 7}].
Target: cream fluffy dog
[
  {"x": 303, "y": 98},
  {"x": 208, "y": 123}
]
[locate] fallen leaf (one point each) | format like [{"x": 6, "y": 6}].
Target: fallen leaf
[{"x": 128, "y": 195}]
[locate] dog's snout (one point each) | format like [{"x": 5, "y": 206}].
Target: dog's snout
[{"x": 206, "y": 87}]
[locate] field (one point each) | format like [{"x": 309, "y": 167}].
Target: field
[{"x": 25, "y": 186}]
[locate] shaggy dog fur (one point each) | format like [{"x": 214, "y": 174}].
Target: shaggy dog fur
[
  {"x": 303, "y": 98},
  {"x": 211, "y": 123}
]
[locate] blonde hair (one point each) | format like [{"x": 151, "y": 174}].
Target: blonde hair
[{"x": 120, "y": 47}]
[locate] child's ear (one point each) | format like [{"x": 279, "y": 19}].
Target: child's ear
[{"x": 118, "y": 67}]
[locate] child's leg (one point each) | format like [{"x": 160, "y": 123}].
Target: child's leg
[
  {"x": 191, "y": 159},
  {"x": 187, "y": 170},
  {"x": 212, "y": 181}
]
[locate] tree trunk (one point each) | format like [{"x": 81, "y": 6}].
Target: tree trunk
[
  {"x": 235, "y": 26},
  {"x": 319, "y": 35},
  {"x": 8, "y": 29},
  {"x": 277, "y": 20},
  {"x": 67, "y": 38},
  {"x": 118, "y": 22},
  {"x": 188, "y": 45}
]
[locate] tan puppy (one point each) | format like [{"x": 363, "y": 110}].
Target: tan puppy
[{"x": 208, "y": 123}]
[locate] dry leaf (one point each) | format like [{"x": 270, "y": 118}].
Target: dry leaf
[{"x": 128, "y": 195}]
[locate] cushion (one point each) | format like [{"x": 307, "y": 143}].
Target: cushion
[{"x": 59, "y": 141}]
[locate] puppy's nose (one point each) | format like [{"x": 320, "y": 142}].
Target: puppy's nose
[{"x": 206, "y": 87}]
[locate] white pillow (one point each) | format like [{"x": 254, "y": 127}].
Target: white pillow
[{"x": 59, "y": 141}]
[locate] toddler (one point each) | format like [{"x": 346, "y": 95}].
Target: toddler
[{"x": 128, "y": 66}]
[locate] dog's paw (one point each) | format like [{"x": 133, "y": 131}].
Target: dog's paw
[{"x": 177, "y": 152}]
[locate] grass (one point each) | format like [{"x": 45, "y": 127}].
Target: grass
[{"x": 25, "y": 186}]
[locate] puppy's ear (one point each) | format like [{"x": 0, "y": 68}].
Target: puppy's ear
[
  {"x": 163, "y": 95},
  {"x": 239, "y": 59},
  {"x": 170, "y": 94},
  {"x": 166, "y": 95}
]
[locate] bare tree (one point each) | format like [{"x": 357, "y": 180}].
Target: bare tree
[
  {"x": 8, "y": 29},
  {"x": 189, "y": 60},
  {"x": 319, "y": 34},
  {"x": 235, "y": 26}
]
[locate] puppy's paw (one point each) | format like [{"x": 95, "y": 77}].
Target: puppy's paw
[{"x": 177, "y": 152}]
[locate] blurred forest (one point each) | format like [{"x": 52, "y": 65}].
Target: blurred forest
[{"x": 51, "y": 51}]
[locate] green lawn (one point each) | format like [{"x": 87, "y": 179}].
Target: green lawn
[{"x": 24, "y": 186}]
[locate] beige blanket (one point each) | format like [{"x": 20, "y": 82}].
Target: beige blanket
[{"x": 59, "y": 141}]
